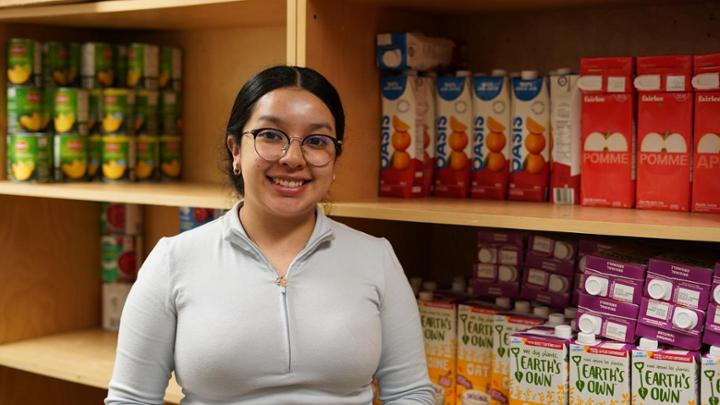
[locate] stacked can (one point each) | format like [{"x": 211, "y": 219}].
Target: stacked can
[
  {"x": 549, "y": 270},
  {"x": 191, "y": 217},
  {"x": 121, "y": 247},
  {"x": 170, "y": 121},
  {"x": 498, "y": 271}
]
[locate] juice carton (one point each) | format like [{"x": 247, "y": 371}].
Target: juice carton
[
  {"x": 491, "y": 124},
  {"x": 565, "y": 101},
  {"x": 439, "y": 325},
  {"x": 681, "y": 279},
  {"x": 474, "y": 352},
  {"x": 715, "y": 295},
  {"x": 501, "y": 247},
  {"x": 617, "y": 273},
  {"x": 710, "y": 377},
  {"x": 530, "y": 149},
  {"x": 665, "y": 109},
  {"x": 585, "y": 247},
  {"x": 670, "y": 323},
  {"x": 549, "y": 270},
  {"x": 453, "y": 146},
  {"x": 607, "y": 318},
  {"x": 711, "y": 334},
  {"x": 500, "y": 257},
  {"x": 554, "y": 247},
  {"x": 497, "y": 280},
  {"x": 664, "y": 377},
  {"x": 706, "y": 153},
  {"x": 401, "y": 159},
  {"x": 607, "y": 132},
  {"x": 412, "y": 50},
  {"x": 539, "y": 367},
  {"x": 426, "y": 109},
  {"x": 599, "y": 371}
]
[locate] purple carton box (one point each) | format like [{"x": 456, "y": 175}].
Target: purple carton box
[
  {"x": 670, "y": 323},
  {"x": 496, "y": 253},
  {"x": 585, "y": 247},
  {"x": 711, "y": 335},
  {"x": 547, "y": 287},
  {"x": 614, "y": 286},
  {"x": 552, "y": 264},
  {"x": 552, "y": 246},
  {"x": 607, "y": 318},
  {"x": 497, "y": 280},
  {"x": 504, "y": 238},
  {"x": 680, "y": 279}
]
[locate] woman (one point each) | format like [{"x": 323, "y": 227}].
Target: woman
[{"x": 274, "y": 303}]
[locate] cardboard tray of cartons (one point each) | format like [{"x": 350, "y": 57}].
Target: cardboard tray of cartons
[{"x": 26, "y": 3}]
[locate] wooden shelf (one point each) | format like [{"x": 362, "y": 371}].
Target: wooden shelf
[
  {"x": 83, "y": 357},
  {"x": 464, "y": 6},
  {"x": 156, "y": 14}
]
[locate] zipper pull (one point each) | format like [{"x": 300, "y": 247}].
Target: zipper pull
[{"x": 281, "y": 281}]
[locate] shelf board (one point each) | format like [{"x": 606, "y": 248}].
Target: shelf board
[
  {"x": 156, "y": 14},
  {"x": 84, "y": 357},
  {"x": 464, "y": 6}
]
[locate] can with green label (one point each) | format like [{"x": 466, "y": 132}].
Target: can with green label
[
  {"x": 56, "y": 64},
  {"x": 147, "y": 156},
  {"x": 170, "y": 68},
  {"x": 170, "y": 113},
  {"x": 117, "y": 106},
  {"x": 146, "y": 112},
  {"x": 94, "y": 110},
  {"x": 118, "y": 158},
  {"x": 70, "y": 111},
  {"x": 25, "y": 112},
  {"x": 121, "y": 65},
  {"x": 97, "y": 65},
  {"x": 95, "y": 154},
  {"x": 29, "y": 158},
  {"x": 143, "y": 66},
  {"x": 120, "y": 258},
  {"x": 70, "y": 157},
  {"x": 170, "y": 157},
  {"x": 24, "y": 60}
]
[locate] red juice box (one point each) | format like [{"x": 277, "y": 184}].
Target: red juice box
[
  {"x": 453, "y": 146},
  {"x": 706, "y": 157},
  {"x": 491, "y": 123},
  {"x": 565, "y": 101},
  {"x": 665, "y": 109},
  {"x": 530, "y": 148},
  {"x": 607, "y": 132}
]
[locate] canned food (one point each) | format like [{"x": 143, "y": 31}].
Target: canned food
[
  {"x": 170, "y": 68},
  {"x": 94, "y": 111},
  {"x": 56, "y": 63},
  {"x": 74, "y": 64},
  {"x": 70, "y": 111},
  {"x": 121, "y": 65},
  {"x": 170, "y": 157},
  {"x": 170, "y": 113},
  {"x": 147, "y": 156},
  {"x": 24, "y": 59},
  {"x": 146, "y": 112},
  {"x": 28, "y": 157},
  {"x": 120, "y": 257},
  {"x": 95, "y": 154},
  {"x": 117, "y": 106},
  {"x": 143, "y": 69},
  {"x": 123, "y": 219},
  {"x": 25, "y": 109},
  {"x": 97, "y": 65},
  {"x": 118, "y": 158},
  {"x": 70, "y": 157},
  {"x": 191, "y": 217}
]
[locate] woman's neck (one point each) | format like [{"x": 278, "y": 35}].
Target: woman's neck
[{"x": 269, "y": 231}]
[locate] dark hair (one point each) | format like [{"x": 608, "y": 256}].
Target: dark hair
[{"x": 272, "y": 79}]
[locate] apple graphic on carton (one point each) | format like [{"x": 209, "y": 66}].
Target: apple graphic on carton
[
  {"x": 605, "y": 142},
  {"x": 667, "y": 142},
  {"x": 709, "y": 143}
]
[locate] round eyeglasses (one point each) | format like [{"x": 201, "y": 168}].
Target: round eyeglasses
[{"x": 273, "y": 144}]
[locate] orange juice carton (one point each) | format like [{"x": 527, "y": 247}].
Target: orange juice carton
[
  {"x": 706, "y": 152},
  {"x": 412, "y": 50},
  {"x": 665, "y": 108},
  {"x": 401, "y": 160},
  {"x": 599, "y": 371},
  {"x": 439, "y": 323},
  {"x": 453, "y": 125},
  {"x": 565, "y": 133},
  {"x": 491, "y": 125},
  {"x": 607, "y": 132},
  {"x": 426, "y": 109},
  {"x": 499, "y": 269},
  {"x": 530, "y": 146},
  {"x": 539, "y": 366},
  {"x": 710, "y": 377},
  {"x": 662, "y": 376},
  {"x": 474, "y": 352}
]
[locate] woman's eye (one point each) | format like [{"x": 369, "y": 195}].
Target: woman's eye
[
  {"x": 317, "y": 141},
  {"x": 271, "y": 135}
]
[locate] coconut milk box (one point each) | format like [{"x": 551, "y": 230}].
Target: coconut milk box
[
  {"x": 500, "y": 258},
  {"x": 426, "y": 109},
  {"x": 565, "y": 132},
  {"x": 474, "y": 352},
  {"x": 663, "y": 376},
  {"x": 607, "y": 132},
  {"x": 439, "y": 324},
  {"x": 665, "y": 108},
  {"x": 710, "y": 377},
  {"x": 491, "y": 132},
  {"x": 599, "y": 371},
  {"x": 453, "y": 128},
  {"x": 539, "y": 366},
  {"x": 706, "y": 151},
  {"x": 401, "y": 159},
  {"x": 530, "y": 146}
]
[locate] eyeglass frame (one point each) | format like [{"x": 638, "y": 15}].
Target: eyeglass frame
[{"x": 254, "y": 132}]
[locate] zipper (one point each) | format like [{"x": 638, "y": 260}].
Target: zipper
[{"x": 287, "y": 327}]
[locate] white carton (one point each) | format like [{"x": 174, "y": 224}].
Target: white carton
[
  {"x": 439, "y": 325},
  {"x": 600, "y": 372},
  {"x": 664, "y": 377},
  {"x": 565, "y": 102},
  {"x": 474, "y": 352}
]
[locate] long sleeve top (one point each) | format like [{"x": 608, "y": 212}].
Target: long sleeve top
[{"x": 208, "y": 306}]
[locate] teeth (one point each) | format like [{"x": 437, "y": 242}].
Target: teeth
[{"x": 287, "y": 183}]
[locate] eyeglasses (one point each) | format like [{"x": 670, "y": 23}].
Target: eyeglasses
[{"x": 273, "y": 144}]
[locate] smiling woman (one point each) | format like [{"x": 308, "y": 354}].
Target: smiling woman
[{"x": 274, "y": 303}]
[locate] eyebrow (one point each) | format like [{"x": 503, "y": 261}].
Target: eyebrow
[{"x": 279, "y": 121}]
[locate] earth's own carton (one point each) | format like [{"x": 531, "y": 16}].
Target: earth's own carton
[
  {"x": 669, "y": 323},
  {"x": 474, "y": 352},
  {"x": 565, "y": 101},
  {"x": 665, "y": 108},
  {"x": 682, "y": 279},
  {"x": 439, "y": 325},
  {"x": 607, "y": 132},
  {"x": 710, "y": 377},
  {"x": 530, "y": 146},
  {"x": 706, "y": 157},
  {"x": 600, "y": 372},
  {"x": 453, "y": 126},
  {"x": 491, "y": 133},
  {"x": 664, "y": 377}
]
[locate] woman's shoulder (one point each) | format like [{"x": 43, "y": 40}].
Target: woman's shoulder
[
  {"x": 194, "y": 240},
  {"x": 360, "y": 240}
]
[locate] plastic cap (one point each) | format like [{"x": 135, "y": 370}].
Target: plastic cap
[
  {"x": 392, "y": 58},
  {"x": 463, "y": 73},
  {"x": 586, "y": 338},
  {"x": 706, "y": 81},
  {"x": 502, "y": 302},
  {"x": 714, "y": 352},
  {"x": 596, "y": 286},
  {"x": 557, "y": 283},
  {"x": 589, "y": 323},
  {"x": 684, "y": 318},
  {"x": 541, "y": 311},
  {"x": 425, "y": 296},
  {"x": 528, "y": 74},
  {"x": 649, "y": 345},
  {"x": 716, "y": 294},
  {"x": 590, "y": 83},
  {"x": 563, "y": 331},
  {"x": 556, "y": 319},
  {"x": 498, "y": 72},
  {"x": 429, "y": 286},
  {"x": 660, "y": 289},
  {"x": 562, "y": 250},
  {"x": 487, "y": 255},
  {"x": 647, "y": 82},
  {"x": 570, "y": 312},
  {"x": 522, "y": 307},
  {"x": 563, "y": 71},
  {"x": 507, "y": 273}
]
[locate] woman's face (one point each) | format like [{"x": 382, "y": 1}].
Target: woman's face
[{"x": 289, "y": 187}]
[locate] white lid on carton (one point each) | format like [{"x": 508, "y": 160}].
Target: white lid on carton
[
  {"x": 557, "y": 283},
  {"x": 716, "y": 294},
  {"x": 563, "y": 71},
  {"x": 706, "y": 81},
  {"x": 425, "y": 296},
  {"x": 684, "y": 318},
  {"x": 502, "y": 302},
  {"x": 590, "y": 83},
  {"x": 649, "y": 345},
  {"x": 392, "y": 58},
  {"x": 595, "y": 285},
  {"x": 541, "y": 311},
  {"x": 589, "y": 323},
  {"x": 586, "y": 338},
  {"x": 507, "y": 273},
  {"x": 522, "y": 307},
  {"x": 498, "y": 72},
  {"x": 714, "y": 352},
  {"x": 487, "y": 255},
  {"x": 556, "y": 318},
  {"x": 463, "y": 73},
  {"x": 528, "y": 74},
  {"x": 660, "y": 289},
  {"x": 648, "y": 82},
  {"x": 562, "y": 250},
  {"x": 429, "y": 286},
  {"x": 563, "y": 331},
  {"x": 570, "y": 313}
]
